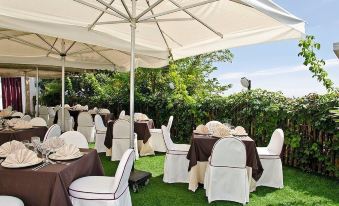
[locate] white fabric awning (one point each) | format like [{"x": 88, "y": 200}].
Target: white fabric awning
[
  {"x": 336, "y": 49},
  {"x": 180, "y": 28}
]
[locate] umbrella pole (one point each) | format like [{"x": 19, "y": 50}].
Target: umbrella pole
[
  {"x": 37, "y": 93},
  {"x": 131, "y": 108},
  {"x": 63, "y": 56}
]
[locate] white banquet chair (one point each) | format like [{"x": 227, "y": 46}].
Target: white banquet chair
[
  {"x": 38, "y": 122},
  {"x": 176, "y": 163},
  {"x": 69, "y": 121},
  {"x": 103, "y": 190},
  {"x": 26, "y": 118},
  {"x": 121, "y": 139},
  {"x": 75, "y": 138},
  {"x": 157, "y": 138},
  {"x": 53, "y": 131},
  {"x": 212, "y": 125},
  {"x": 17, "y": 114},
  {"x": 51, "y": 116},
  {"x": 226, "y": 174},
  {"x": 10, "y": 201},
  {"x": 122, "y": 114},
  {"x": 100, "y": 134},
  {"x": 43, "y": 113},
  {"x": 86, "y": 126},
  {"x": 271, "y": 162}
]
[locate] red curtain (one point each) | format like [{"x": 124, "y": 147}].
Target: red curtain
[{"x": 11, "y": 93}]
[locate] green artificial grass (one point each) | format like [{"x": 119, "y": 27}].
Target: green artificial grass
[{"x": 300, "y": 188}]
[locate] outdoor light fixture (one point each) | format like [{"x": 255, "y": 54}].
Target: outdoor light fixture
[{"x": 246, "y": 83}]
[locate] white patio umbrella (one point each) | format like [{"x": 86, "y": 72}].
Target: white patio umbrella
[
  {"x": 155, "y": 28},
  {"x": 336, "y": 49}
]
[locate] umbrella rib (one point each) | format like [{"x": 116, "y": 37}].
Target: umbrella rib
[
  {"x": 114, "y": 9},
  {"x": 196, "y": 18},
  {"x": 99, "y": 53},
  {"x": 49, "y": 44},
  {"x": 150, "y": 7},
  {"x": 98, "y": 8},
  {"x": 99, "y": 16},
  {"x": 166, "y": 20},
  {"x": 49, "y": 51},
  {"x": 70, "y": 47},
  {"x": 161, "y": 32},
  {"x": 18, "y": 35},
  {"x": 179, "y": 9},
  {"x": 113, "y": 22},
  {"x": 126, "y": 8}
]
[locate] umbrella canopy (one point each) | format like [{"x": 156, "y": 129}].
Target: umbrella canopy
[
  {"x": 336, "y": 49},
  {"x": 177, "y": 28}
]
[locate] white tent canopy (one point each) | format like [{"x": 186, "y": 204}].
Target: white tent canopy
[
  {"x": 336, "y": 49},
  {"x": 180, "y": 28}
]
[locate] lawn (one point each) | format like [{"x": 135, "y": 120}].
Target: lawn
[{"x": 300, "y": 188}]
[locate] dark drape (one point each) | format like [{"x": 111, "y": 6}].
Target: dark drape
[{"x": 11, "y": 93}]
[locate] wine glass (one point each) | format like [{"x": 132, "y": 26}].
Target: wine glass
[{"x": 35, "y": 142}]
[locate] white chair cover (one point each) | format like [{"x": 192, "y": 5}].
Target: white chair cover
[
  {"x": 226, "y": 174},
  {"x": 26, "y": 118},
  {"x": 122, "y": 114},
  {"x": 103, "y": 190},
  {"x": 271, "y": 162},
  {"x": 51, "y": 114},
  {"x": 56, "y": 108},
  {"x": 121, "y": 139},
  {"x": 176, "y": 163},
  {"x": 53, "y": 131},
  {"x": 86, "y": 126},
  {"x": 212, "y": 125},
  {"x": 43, "y": 113},
  {"x": 17, "y": 114},
  {"x": 104, "y": 111},
  {"x": 9, "y": 108},
  {"x": 157, "y": 139},
  {"x": 100, "y": 134},
  {"x": 69, "y": 121},
  {"x": 38, "y": 121},
  {"x": 10, "y": 201},
  {"x": 75, "y": 138}
]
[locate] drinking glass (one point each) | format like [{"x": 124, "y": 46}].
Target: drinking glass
[{"x": 35, "y": 142}]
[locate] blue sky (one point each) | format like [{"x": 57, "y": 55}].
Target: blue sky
[{"x": 276, "y": 66}]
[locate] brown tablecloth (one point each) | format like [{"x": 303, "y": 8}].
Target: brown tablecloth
[
  {"x": 141, "y": 128},
  {"x": 202, "y": 145},
  {"x": 20, "y": 135},
  {"x": 105, "y": 118},
  {"x": 48, "y": 186}
]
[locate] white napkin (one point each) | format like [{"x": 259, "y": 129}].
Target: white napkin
[
  {"x": 239, "y": 130},
  {"x": 22, "y": 124},
  {"x": 67, "y": 150},
  {"x": 202, "y": 129},
  {"x": 20, "y": 157},
  {"x": 222, "y": 131},
  {"x": 10, "y": 147},
  {"x": 140, "y": 117}
]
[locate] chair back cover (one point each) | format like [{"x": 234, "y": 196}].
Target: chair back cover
[
  {"x": 122, "y": 114},
  {"x": 167, "y": 137},
  {"x": 57, "y": 108},
  {"x": 17, "y": 114},
  {"x": 212, "y": 125},
  {"x": 67, "y": 114},
  {"x": 276, "y": 142},
  {"x": 75, "y": 138},
  {"x": 121, "y": 129},
  {"x": 26, "y": 118},
  {"x": 85, "y": 119},
  {"x": 53, "y": 131},
  {"x": 123, "y": 172},
  {"x": 99, "y": 124},
  {"x": 169, "y": 124},
  {"x": 229, "y": 152},
  {"x": 51, "y": 112},
  {"x": 43, "y": 110},
  {"x": 9, "y": 108},
  {"x": 104, "y": 111},
  {"x": 38, "y": 121}
]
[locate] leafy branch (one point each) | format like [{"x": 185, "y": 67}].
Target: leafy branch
[{"x": 316, "y": 66}]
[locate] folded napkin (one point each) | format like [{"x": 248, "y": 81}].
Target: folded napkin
[
  {"x": 140, "y": 117},
  {"x": 54, "y": 143},
  {"x": 22, "y": 124},
  {"x": 10, "y": 147},
  {"x": 222, "y": 131},
  {"x": 202, "y": 129},
  {"x": 21, "y": 157},
  {"x": 13, "y": 121},
  {"x": 239, "y": 130},
  {"x": 67, "y": 150}
]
